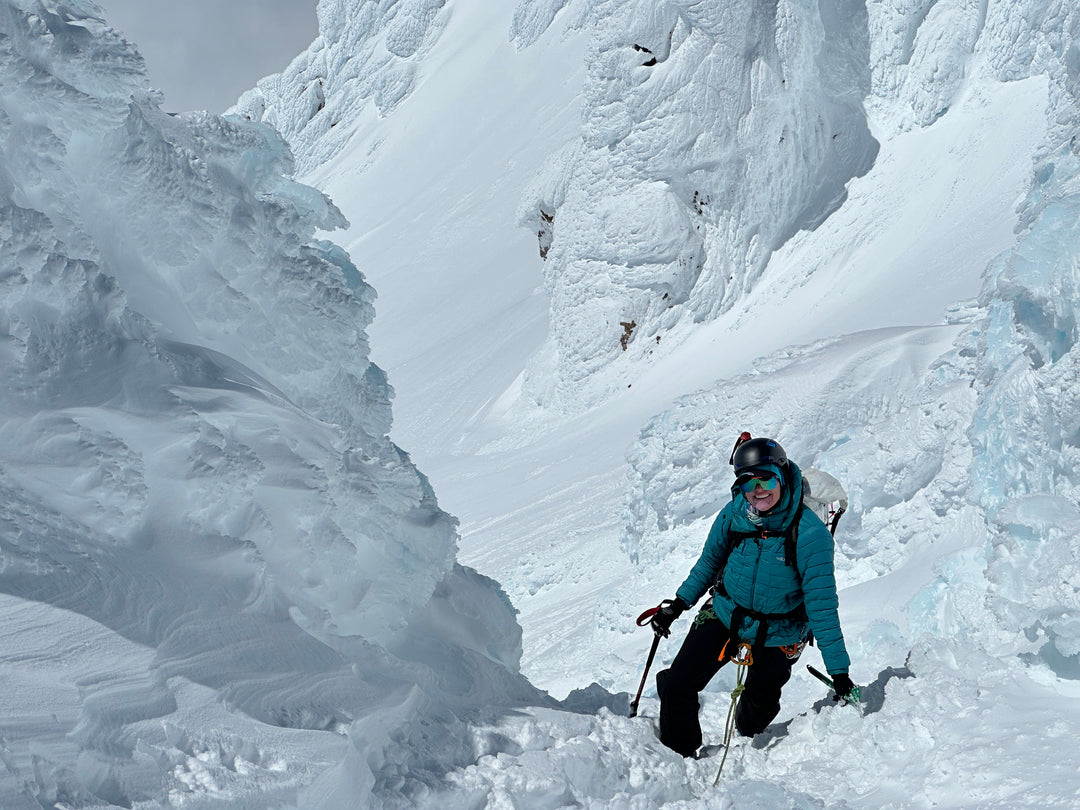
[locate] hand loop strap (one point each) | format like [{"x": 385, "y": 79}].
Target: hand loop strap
[{"x": 646, "y": 617}]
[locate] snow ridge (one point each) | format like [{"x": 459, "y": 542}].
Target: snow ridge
[
  {"x": 363, "y": 63},
  {"x": 194, "y": 460}
]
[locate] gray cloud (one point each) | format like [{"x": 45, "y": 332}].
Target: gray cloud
[{"x": 204, "y": 53}]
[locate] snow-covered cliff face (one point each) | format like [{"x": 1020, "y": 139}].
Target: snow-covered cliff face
[
  {"x": 709, "y": 137},
  {"x": 363, "y": 63},
  {"x": 711, "y": 133},
  {"x": 193, "y": 441},
  {"x": 923, "y": 55},
  {"x": 963, "y": 436}
]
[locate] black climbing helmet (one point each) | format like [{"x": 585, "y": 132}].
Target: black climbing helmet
[{"x": 757, "y": 452}]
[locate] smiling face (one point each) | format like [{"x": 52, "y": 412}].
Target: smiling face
[
  {"x": 763, "y": 499},
  {"x": 761, "y": 489}
]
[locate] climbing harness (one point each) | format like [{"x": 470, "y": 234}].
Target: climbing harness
[
  {"x": 793, "y": 651},
  {"x": 743, "y": 658}
]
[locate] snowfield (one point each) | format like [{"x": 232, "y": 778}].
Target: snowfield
[{"x": 343, "y": 437}]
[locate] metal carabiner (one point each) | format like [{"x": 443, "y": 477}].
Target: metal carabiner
[{"x": 744, "y": 657}]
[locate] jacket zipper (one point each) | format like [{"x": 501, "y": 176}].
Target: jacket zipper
[{"x": 757, "y": 568}]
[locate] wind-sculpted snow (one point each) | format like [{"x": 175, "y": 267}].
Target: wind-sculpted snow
[
  {"x": 972, "y": 447},
  {"x": 841, "y": 407},
  {"x": 923, "y": 55},
  {"x": 222, "y": 585},
  {"x": 711, "y": 133},
  {"x": 363, "y": 63},
  {"x": 710, "y": 136},
  {"x": 1026, "y": 433},
  {"x": 194, "y": 458}
]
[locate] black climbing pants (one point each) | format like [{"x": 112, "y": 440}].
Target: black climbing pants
[{"x": 695, "y": 665}]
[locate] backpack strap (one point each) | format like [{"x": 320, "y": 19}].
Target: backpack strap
[
  {"x": 791, "y": 539},
  {"x": 791, "y": 542}
]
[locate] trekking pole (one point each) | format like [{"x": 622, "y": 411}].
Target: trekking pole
[{"x": 642, "y": 620}]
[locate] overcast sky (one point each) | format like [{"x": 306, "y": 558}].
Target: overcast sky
[{"x": 204, "y": 53}]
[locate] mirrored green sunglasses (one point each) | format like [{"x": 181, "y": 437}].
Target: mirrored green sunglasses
[{"x": 766, "y": 482}]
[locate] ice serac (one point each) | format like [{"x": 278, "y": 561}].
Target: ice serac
[
  {"x": 360, "y": 67},
  {"x": 1026, "y": 432},
  {"x": 193, "y": 441},
  {"x": 711, "y": 133}
]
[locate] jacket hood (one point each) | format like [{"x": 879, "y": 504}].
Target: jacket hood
[{"x": 780, "y": 516}]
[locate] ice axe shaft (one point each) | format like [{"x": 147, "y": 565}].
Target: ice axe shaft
[
  {"x": 852, "y": 699},
  {"x": 642, "y": 620},
  {"x": 644, "y": 676}
]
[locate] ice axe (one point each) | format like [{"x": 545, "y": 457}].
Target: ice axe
[
  {"x": 643, "y": 620},
  {"x": 853, "y": 697}
]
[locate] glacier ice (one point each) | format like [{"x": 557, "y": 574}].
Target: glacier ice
[{"x": 194, "y": 449}]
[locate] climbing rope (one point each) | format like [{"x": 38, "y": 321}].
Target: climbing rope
[
  {"x": 706, "y": 614},
  {"x": 742, "y": 660}
]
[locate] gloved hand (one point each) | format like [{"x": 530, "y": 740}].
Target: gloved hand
[
  {"x": 845, "y": 689},
  {"x": 669, "y": 611}
]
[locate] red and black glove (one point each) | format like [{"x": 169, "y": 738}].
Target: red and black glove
[{"x": 668, "y": 611}]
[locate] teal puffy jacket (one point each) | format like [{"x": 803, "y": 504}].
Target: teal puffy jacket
[{"x": 758, "y": 578}]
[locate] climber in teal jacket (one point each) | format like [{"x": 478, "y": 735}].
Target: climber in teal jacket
[{"x": 769, "y": 563}]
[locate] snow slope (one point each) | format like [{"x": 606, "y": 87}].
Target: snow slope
[
  {"x": 253, "y": 594},
  {"x": 900, "y": 345}
]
